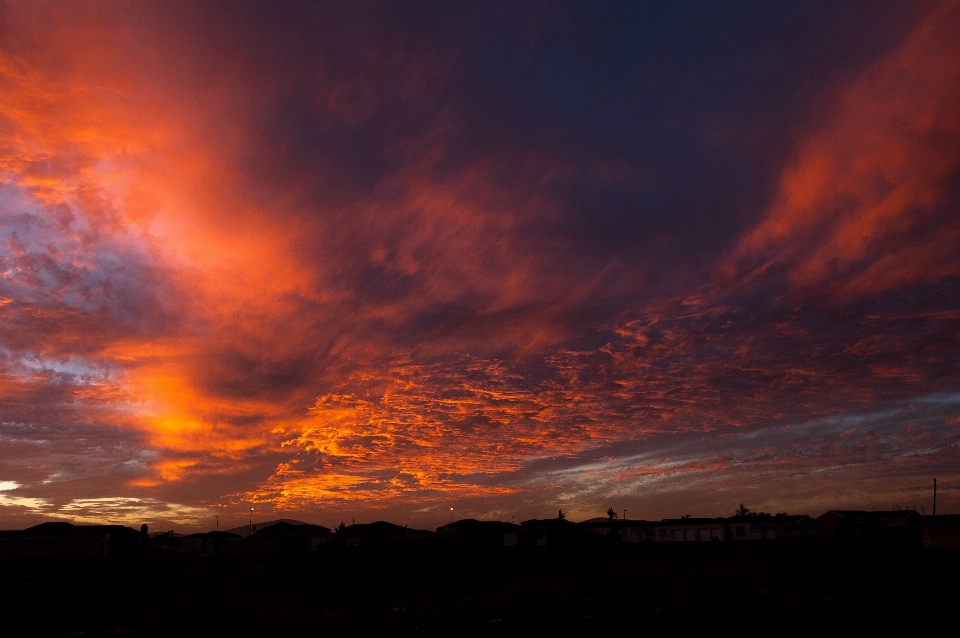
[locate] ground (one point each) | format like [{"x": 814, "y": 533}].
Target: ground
[{"x": 749, "y": 589}]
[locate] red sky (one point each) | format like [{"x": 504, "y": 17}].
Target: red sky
[{"x": 375, "y": 261}]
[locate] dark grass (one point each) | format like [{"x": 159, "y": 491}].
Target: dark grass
[{"x": 778, "y": 588}]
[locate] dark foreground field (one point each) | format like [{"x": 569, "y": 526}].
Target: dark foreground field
[{"x": 750, "y": 589}]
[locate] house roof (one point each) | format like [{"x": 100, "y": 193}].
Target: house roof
[
  {"x": 873, "y": 515},
  {"x": 603, "y": 520},
  {"x": 375, "y": 526},
  {"x": 60, "y": 528},
  {"x": 244, "y": 530},
  {"x": 474, "y": 524},
  {"x": 381, "y": 526},
  {"x": 284, "y": 526},
  {"x": 546, "y": 522},
  {"x": 213, "y": 535},
  {"x": 792, "y": 518},
  {"x": 768, "y": 518}
]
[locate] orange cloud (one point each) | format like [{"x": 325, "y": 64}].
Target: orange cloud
[
  {"x": 864, "y": 205},
  {"x": 253, "y": 274}
]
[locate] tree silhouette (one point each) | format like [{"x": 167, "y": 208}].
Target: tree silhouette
[
  {"x": 561, "y": 516},
  {"x": 611, "y": 514},
  {"x": 743, "y": 511}
]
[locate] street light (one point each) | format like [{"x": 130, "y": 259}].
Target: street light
[
  {"x": 251, "y": 520},
  {"x": 218, "y": 521},
  {"x": 451, "y": 514}
]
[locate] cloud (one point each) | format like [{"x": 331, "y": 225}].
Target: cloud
[
  {"x": 117, "y": 510},
  {"x": 327, "y": 257},
  {"x": 864, "y": 206},
  {"x": 130, "y": 511}
]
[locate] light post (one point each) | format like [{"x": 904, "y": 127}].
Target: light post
[
  {"x": 218, "y": 521},
  {"x": 251, "y": 520},
  {"x": 451, "y": 514}
]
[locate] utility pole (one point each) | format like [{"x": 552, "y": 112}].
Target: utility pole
[
  {"x": 251, "y": 520},
  {"x": 218, "y": 521},
  {"x": 934, "y": 499},
  {"x": 624, "y": 514}
]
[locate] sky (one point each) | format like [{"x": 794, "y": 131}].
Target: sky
[{"x": 374, "y": 261}]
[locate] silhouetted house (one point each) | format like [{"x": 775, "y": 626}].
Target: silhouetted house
[
  {"x": 488, "y": 533},
  {"x": 620, "y": 530},
  {"x": 942, "y": 530},
  {"x": 744, "y": 528},
  {"x": 600, "y": 526},
  {"x": 771, "y": 526},
  {"x": 551, "y": 531},
  {"x": 66, "y": 539},
  {"x": 287, "y": 538},
  {"x": 211, "y": 543},
  {"x": 250, "y": 529},
  {"x": 689, "y": 530},
  {"x": 165, "y": 541},
  {"x": 378, "y": 532},
  {"x": 790, "y": 526},
  {"x": 882, "y": 523}
]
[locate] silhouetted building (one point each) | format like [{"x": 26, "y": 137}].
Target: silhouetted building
[
  {"x": 474, "y": 532},
  {"x": 620, "y": 530},
  {"x": 882, "y": 523},
  {"x": 942, "y": 530},
  {"x": 67, "y": 539},
  {"x": 254, "y": 527},
  {"x": 751, "y": 527},
  {"x": 168, "y": 541},
  {"x": 791, "y": 526},
  {"x": 551, "y": 531},
  {"x": 378, "y": 532},
  {"x": 211, "y": 543},
  {"x": 772, "y": 526},
  {"x": 688, "y": 530},
  {"x": 288, "y": 538}
]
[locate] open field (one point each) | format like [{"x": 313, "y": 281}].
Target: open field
[{"x": 749, "y": 589}]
